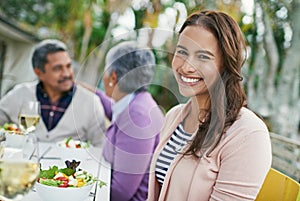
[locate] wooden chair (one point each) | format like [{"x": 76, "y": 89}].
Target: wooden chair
[
  {"x": 286, "y": 155},
  {"x": 279, "y": 187}
]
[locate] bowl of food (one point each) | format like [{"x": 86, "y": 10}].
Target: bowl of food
[
  {"x": 67, "y": 184},
  {"x": 50, "y": 193},
  {"x": 70, "y": 149}
]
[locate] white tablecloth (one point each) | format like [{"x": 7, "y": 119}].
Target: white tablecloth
[{"x": 93, "y": 164}]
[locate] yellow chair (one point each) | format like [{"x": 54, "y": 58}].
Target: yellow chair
[{"x": 279, "y": 187}]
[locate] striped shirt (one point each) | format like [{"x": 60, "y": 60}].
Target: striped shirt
[{"x": 175, "y": 144}]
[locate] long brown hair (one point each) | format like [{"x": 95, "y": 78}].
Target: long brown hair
[{"x": 227, "y": 95}]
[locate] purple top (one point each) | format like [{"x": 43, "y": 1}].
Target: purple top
[{"x": 129, "y": 145}]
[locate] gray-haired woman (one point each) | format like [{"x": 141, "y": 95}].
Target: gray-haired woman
[{"x": 135, "y": 121}]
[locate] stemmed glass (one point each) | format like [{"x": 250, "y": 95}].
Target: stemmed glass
[
  {"x": 29, "y": 116},
  {"x": 19, "y": 165}
]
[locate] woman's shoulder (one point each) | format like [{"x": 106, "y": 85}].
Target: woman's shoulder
[
  {"x": 143, "y": 97},
  {"x": 144, "y": 106},
  {"x": 246, "y": 124},
  {"x": 247, "y": 131},
  {"x": 251, "y": 119}
]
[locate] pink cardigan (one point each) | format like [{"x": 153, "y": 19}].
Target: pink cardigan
[{"x": 235, "y": 170}]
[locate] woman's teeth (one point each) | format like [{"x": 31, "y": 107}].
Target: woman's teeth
[{"x": 189, "y": 80}]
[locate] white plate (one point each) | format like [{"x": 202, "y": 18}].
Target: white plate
[{"x": 69, "y": 153}]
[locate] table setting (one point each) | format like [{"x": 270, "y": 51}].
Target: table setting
[
  {"x": 98, "y": 167},
  {"x": 31, "y": 170}
]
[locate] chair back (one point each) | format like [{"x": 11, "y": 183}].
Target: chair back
[
  {"x": 285, "y": 155},
  {"x": 279, "y": 187}
]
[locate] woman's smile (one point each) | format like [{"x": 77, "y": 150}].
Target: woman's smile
[{"x": 190, "y": 80}]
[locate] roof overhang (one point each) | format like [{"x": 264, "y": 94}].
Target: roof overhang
[{"x": 14, "y": 32}]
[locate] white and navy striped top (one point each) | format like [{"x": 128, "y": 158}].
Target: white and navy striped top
[{"x": 175, "y": 144}]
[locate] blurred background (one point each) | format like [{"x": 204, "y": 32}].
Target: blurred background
[{"x": 91, "y": 27}]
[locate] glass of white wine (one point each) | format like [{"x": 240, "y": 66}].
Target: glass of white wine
[
  {"x": 19, "y": 168},
  {"x": 29, "y": 116}
]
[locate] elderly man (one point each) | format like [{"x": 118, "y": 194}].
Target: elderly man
[{"x": 67, "y": 109}]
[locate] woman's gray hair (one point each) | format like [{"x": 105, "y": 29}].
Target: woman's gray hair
[
  {"x": 134, "y": 66},
  {"x": 48, "y": 46}
]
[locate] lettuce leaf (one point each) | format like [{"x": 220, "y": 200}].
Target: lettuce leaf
[
  {"x": 67, "y": 171},
  {"x": 48, "y": 174},
  {"x": 52, "y": 171}
]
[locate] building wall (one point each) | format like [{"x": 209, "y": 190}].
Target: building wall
[
  {"x": 17, "y": 64},
  {"x": 15, "y": 55}
]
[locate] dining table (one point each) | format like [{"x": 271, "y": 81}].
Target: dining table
[{"x": 94, "y": 164}]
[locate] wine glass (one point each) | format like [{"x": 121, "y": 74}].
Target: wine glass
[
  {"x": 29, "y": 116},
  {"x": 19, "y": 167}
]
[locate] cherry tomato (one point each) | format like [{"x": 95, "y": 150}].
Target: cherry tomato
[
  {"x": 64, "y": 184},
  {"x": 62, "y": 179}
]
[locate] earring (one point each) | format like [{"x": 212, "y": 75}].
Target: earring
[{"x": 110, "y": 84}]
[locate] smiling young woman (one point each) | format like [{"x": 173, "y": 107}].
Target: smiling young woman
[
  {"x": 196, "y": 62},
  {"x": 213, "y": 147}
]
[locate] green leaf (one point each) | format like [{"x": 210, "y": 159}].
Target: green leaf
[
  {"x": 6, "y": 125},
  {"x": 67, "y": 171},
  {"x": 102, "y": 183},
  {"x": 48, "y": 174},
  {"x": 68, "y": 140}
]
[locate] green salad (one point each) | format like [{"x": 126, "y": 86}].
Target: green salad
[{"x": 68, "y": 177}]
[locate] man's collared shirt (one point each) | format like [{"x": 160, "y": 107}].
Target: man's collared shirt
[{"x": 51, "y": 113}]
